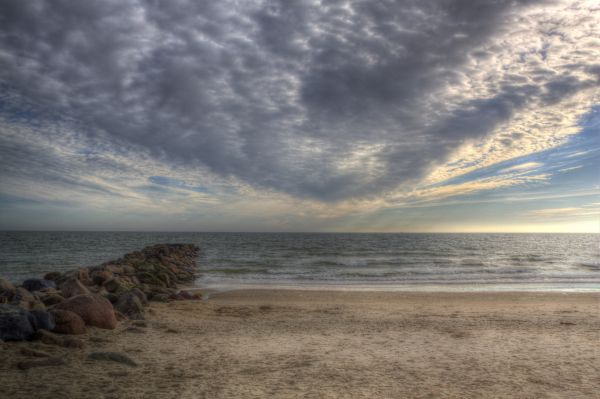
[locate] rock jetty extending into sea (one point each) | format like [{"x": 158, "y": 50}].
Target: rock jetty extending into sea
[{"x": 68, "y": 303}]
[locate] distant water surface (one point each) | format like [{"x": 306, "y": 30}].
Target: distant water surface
[{"x": 338, "y": 261}]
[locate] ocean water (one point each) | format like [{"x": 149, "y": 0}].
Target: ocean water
[{"x": 334, "y": 261}]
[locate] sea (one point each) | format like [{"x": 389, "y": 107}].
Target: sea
[{"x": 421, "y": 262}]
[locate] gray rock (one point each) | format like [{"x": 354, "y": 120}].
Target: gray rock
[
  {"x": 113, "y": 357},
  {"x": 36, "y": 284},
  {"x": 52, "y": 276},
  {"x": 42, "y": 320},
  {"x": 16, "y": 324},
  {"x": 130, "y": 305}
]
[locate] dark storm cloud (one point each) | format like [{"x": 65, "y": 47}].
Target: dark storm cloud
[{"x": 277, "y": 94}]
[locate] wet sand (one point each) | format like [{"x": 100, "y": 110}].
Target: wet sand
[{"x": 318, "y": 344}]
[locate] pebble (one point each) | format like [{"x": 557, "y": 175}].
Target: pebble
[{"x": 49, "y": 361}]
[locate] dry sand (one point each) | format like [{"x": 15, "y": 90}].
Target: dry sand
[{"x": 257, "y": 344}]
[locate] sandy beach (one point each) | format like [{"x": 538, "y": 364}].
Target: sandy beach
[{"x": 318, "y": 344}]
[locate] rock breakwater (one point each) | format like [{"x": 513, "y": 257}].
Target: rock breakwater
[{"x": 97, "y": 297}]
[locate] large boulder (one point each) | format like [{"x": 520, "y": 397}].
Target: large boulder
[
  {"x": 37, "y": 284},
  {"x": 73, "y": 287},
  {"x": 16, "y": 324},
  {"x": 94, "y": 309},
  {"x": 130, "y": 305},
  {"x": 7, "y": 291},
  {"x": 67, "y": 322}
]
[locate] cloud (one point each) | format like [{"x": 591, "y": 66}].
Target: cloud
[
  {"x": 522, "y": 167},
  {"x": 585, "y": 211},
  {"x": 325, "y": 101},
  {"x": 569, "y": 169},
  {"x": 428, "y": 194}
]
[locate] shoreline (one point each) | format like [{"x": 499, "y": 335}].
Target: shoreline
[
  {"x": 519, "y": 287},
  {"x": 335, "y": 344},
  {"x": 277, "y": 295}
]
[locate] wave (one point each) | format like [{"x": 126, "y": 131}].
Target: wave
[{"x": 595, "y": 267}]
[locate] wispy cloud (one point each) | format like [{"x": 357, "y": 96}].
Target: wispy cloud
[
  {"x": 586, "y": 211},
  {"x": 522, "y": 167}
]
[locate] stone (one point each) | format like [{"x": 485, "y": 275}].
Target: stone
[
  {"x": 34, "y": 352},
  {"x": 50, "y": 338},
  {"x": 189, "y": 295},
  {"x": 72, "y": 342},
  {"x": 160, "y": 297},
  {"x": 67, "y": 322},
  {"x": 134, "y": 329},
  {"x": 130, "y": 305},
  {"x": 115, "y": 269},
  {"x": 47, "y": 337},
  {"x": 113, "y": 357},
  {"x": 94, "y": 309},
  {"x": 177, "y": 297},
  {"x": 73, "y": 287},
  {"x": 42, "y": 320},
  {"x": 120, "y": 316},
  {"x": 37, "y": 305},
  {"x": 83, "y": 274},
  {"x": 99, "y": 277},
  {"x": 7, "y": 291},
  {"x": 128, "y": 270},
  {"x": 141, "y": 295},
  {"x": 52, "y": 276},
  {"x": 23, "y": 298},
  {"x": 16, "y": 324},
  {"x": 36, "y": 284},
  {"x": 50, "y": 361},
  {"x": 117, "y": 285},
  {"x": 52, "y": 299},
  {"x": 113, "y": 298},
  {"x": 150, "y": 278}
]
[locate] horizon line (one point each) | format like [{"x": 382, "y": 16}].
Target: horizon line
[{"x": 292, "y": 232}]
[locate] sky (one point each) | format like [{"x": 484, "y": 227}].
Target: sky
[{"x": 332, "y": 116}]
